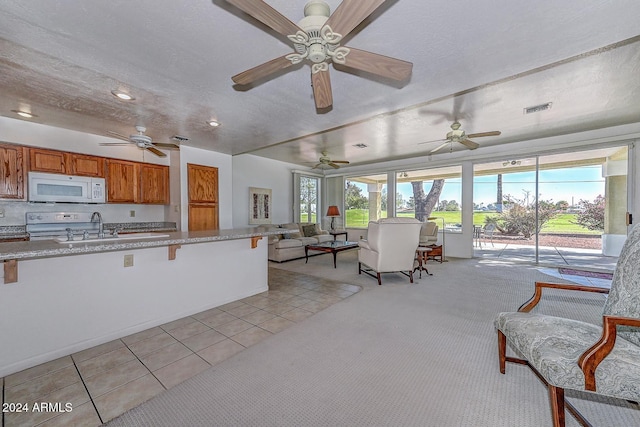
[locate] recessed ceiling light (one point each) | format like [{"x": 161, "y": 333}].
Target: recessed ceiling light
[
  {"x": 213, "y": 123},
  {"x": 122, "y": 95},
  {"x": 24, "y": 114}
]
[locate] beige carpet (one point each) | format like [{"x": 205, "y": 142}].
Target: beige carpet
[{"x": 392, "y": 355}]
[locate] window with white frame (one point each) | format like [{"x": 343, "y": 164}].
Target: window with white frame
[{"x": 308, "y": 197}]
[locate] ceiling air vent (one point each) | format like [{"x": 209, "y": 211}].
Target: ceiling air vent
[
  {"x": 180, "y": 138},
  {"x": 538, "y": 108}
]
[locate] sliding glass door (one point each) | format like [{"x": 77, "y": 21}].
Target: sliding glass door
[
  {"x": 505, "y": 204},
  {"x": 560, "y": 209}
]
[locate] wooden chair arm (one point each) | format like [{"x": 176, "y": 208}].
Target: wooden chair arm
[
  {"x": 537, "y": 294},
  {"x": 591, "y": 358}
]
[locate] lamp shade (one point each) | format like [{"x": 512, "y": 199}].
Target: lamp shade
[{"x": 333, "y": 211}]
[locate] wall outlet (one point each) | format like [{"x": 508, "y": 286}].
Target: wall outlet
[
  {"x": 1, "y": 213},
  {"x": 132, "y": 214},
  {"x": 128, "y": 260},
  {"x": 176, "y": 208}
]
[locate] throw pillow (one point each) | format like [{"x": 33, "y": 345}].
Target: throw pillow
[{"x": 309, "y": 230}]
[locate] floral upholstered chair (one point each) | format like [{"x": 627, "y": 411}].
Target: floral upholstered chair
[{"x": 569, "y": 354}]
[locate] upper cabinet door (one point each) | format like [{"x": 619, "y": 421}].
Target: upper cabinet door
[
  {"x": 123, "y": 181},
  {"x": 202, "y": 183},
  {"x": 52, "y": 161},
  {"x": 154, "y": 184},
  {"x": 13, "y": 168},
  {"x": 84, "y": 165}
]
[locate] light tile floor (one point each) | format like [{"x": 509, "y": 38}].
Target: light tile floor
[{"x": 102, "y": 382}]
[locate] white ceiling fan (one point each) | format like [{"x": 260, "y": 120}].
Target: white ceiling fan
[
  {"x": 458, "y": 135},
  {"x": 325, "y": 161},
  {"x": 143, "y": 142},
  {"x": 316, "y": 39}
]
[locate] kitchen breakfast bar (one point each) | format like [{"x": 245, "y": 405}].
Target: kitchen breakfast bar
[{"x": 60, "y": 298}]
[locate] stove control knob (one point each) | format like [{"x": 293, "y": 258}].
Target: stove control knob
[
  {"x": 39, "y": 217},
  {"x": 32, "y": 217}
]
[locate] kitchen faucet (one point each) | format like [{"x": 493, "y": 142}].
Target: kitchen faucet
[{"x": 100, "y": 224}]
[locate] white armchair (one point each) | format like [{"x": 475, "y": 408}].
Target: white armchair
[
  {"x": 429, "y": 233},
  {"x": 390, "y": 247}
]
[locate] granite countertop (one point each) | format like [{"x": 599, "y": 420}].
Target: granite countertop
[
  {"x": 138, "y": 227},
  {"x": 8, "y": 232},
  {"x": 13, "y": 232},
  {"x": 51, "y": 248}
]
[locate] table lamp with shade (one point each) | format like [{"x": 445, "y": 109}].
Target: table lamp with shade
[{"x": 333, "y": 212}]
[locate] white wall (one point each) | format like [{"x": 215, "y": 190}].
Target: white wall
[
  {"x": 66, "y": 304},
  {"x": 225, "y": 188},
  {"x": 37, "y": 135},
  {"x": 254, "y": 171}
]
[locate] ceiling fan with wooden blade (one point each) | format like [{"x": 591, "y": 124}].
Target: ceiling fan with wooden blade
[
  {"x": 458, "y": 135},
  {"x": 325, "y": 161},
  {"x": 143, "y": 142},
  {"x": 316, "y": 39}
]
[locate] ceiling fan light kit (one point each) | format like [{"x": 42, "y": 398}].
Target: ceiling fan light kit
[{"x": 316, "y": 38}]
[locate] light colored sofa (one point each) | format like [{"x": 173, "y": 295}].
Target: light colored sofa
[{"x": 290, "y": 245}]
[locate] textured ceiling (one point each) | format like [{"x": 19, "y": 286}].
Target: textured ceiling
[{"x": 483, "y": 60}]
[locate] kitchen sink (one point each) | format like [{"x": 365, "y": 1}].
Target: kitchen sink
[{"x": 110, "y": 239}]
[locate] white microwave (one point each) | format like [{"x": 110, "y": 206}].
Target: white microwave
[{"x": 51, "y": 187}]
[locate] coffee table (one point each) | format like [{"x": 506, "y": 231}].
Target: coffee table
[{"x": 329, "y": 247}]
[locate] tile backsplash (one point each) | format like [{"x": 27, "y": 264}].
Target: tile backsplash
[{"x": 14, "y": 212}]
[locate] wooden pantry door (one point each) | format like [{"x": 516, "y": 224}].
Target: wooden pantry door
[{"x": 202, "y": 182}]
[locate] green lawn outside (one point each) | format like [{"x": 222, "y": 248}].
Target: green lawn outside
[
  {"x": 304, "y": 217},
  {"x": 562, "y": 223}
]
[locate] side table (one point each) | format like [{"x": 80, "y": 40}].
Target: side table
[
  {"x": 421, "y": 255},
  {"x": 336, "y": 233},
  {"x": 435, "y": 253}
]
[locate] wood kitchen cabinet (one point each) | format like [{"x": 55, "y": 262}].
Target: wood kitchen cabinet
[
  {"x": 154, "y": 184},
  {"x": 85, "y": 165},
  {"x": 52, "y": 161},
  {"x": 203, "y": 197},
  {"x": 123, "y": 181},
  {"x": 13, "y": 169},
  {"x": 202, "y": 183},
  {"x": 203, "y": 217},
  {"x": 133, "y": 182}
]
